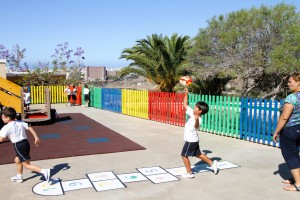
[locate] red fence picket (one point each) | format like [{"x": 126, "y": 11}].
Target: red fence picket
[{"x": 166, "y": 107}]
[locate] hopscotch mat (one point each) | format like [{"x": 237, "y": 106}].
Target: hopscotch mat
[
  {"x": 157, "y": 174},
  {"x": 201, "y": 168},
  {"x": 104, "y": 181}
]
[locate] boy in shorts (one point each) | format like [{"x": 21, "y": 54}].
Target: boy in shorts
[
  {"x": 86, "y": 92},
  {"x": 26, "y": 99},
  {"x": 191, "y": 145},
  {"x": 15, "y": 131}
]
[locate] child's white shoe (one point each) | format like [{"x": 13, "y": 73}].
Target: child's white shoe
[
  {"x": 18, "y": 179},
  {"x": 47, "y": 175},
  {"x": 215, "y": 166},
  {"x": 187, "y": 175}
]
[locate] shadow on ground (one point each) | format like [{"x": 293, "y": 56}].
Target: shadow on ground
[
  {"x": 283, "y": 171},
  {"x": 54, "y": 170}
]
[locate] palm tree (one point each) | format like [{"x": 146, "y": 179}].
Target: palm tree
[{"x": 159, "y": 59}]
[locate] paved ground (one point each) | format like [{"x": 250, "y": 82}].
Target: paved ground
[{"x": 255, "y": 178}]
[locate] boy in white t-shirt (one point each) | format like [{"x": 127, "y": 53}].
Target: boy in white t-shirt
[
  {"x": 86, "y": 92},
  {"x": 15, "y": 132},
  {"x": 27, "y": 98},
  {"x": 191, "y": 145}
]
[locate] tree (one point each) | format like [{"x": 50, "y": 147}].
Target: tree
[
  {"x": 14, "y": 58},
  {"x": 212, "y": 85},
  {"x": 41, "y": 75},
  {"x": 75, "y": 70},
  {"x": 159, "y": 59},
  {"x": 256, "y": 45},
  {"x": 62, "y": 60},
  {"x": 3, "y": 52}
]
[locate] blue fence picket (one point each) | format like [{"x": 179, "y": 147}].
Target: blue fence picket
[
  {"x": 241, "y": 118},
  {"x": 254, "y": 125},
  {"x": 259, "y": 121},
  {"x": 280, "y": 106},
  {"x": 250, "y": 120},
  {"x": 244, "y": 119},
  {"x": 269, "y": 130},
  {"x": 264, "y": 122},
  {"x": 112, "y": 100}
]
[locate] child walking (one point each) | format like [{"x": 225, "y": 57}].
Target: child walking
[
  {"x": 191, "y": 145},
  {"x": 15, "y": 132},
  {"x": 26, "y": 98},
  {"x": 86, "y": 92}
]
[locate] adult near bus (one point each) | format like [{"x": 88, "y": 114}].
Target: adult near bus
[{"x": 288, "y": 132}]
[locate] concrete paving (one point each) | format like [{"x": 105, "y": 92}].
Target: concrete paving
[{"x": 258, "y": 177}]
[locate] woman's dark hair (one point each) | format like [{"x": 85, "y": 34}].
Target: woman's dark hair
[
  {"x": 202, "y": 106},
  {"x": 296, "y": 76},
  {"x": 9, "y": 112}
]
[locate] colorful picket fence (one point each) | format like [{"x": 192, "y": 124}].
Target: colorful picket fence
[
  {"x": 223, "y": 115},
  {"x": 57, "y": 94},
  {"x": 135, "y": 103},
  {"x": 167, "y": 108},
  {"x": 246, "y": 118},
  {"x": 259, "y": 119},
  {"x": 96, "y": 97},
  {"x": 111, "y": 100}
]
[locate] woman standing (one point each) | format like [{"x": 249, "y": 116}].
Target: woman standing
[
  {"x": 74, "y": 95},
  {"x": 288, "y": 132},
  {"x": 68, "y": 92}
]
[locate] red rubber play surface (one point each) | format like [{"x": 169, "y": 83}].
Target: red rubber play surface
[{"x": 73, "y": 135}]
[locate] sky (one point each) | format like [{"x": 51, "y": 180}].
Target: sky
[{"x": 103, "y": 29}]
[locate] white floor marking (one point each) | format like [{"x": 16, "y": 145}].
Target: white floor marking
[
  {"x": 103, "y": 181},
  {"x": 76, "y": 184},
  {"x": 108, "y": 185},
  {"x": 100, "y": 176},
  {"x": 132, "y": 177},
  {"x": 162, "y": 178},
  {"x": 151, "y": 170},
  {"x": 48, "y": 189}
]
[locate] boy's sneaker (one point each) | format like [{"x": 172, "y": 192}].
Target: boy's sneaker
[
  {"x": 47, "y": 175},
  {"x": 18, "y": 179},
  {"x": 215, "y": 166},
  {"x": 187, "y": 175}
]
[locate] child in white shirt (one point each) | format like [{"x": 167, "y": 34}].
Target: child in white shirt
[
  {"x": 15, "y": 131},
  {"x": 191, "y": 146}
]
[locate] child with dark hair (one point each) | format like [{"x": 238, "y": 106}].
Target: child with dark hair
[
  {"x": 27, "y": 98},
  {"x": 191, "y": 146},
  {"x": 86, "y": 92},
  {"x": 15, "y": 132},
  {"x": 68, "y": 92}
]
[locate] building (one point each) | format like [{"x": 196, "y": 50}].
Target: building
[
  {"x": 93, "y": 73},
  {"x": 113, "y": 71},
  {"x": 15, "y": 76},
  {"x": 90, "y": 73},
  {"x": 3, "y": 68}
]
